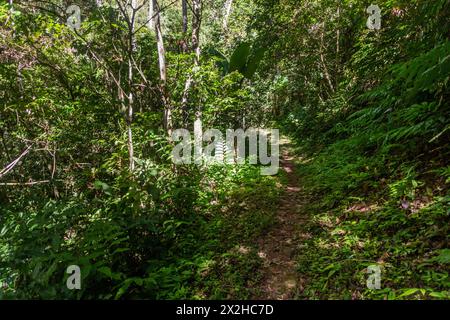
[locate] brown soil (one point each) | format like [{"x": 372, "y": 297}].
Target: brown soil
[{"x": 278, "y": 248}]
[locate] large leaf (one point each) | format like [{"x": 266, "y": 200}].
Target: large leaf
[
  {"x": 238, "y": 60},
  {"x": 253, "y": 62},
  {"x": 221, "y": 61}
]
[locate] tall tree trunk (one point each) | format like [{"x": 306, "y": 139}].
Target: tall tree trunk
[
  {"x": 184, "y": 9},
  {"x": 130, "y": 115},
  {"x": 338, "y": 40},
  {"x": 162, "y": 69},
  {"x": 151, "y": 12},
  {"x": 19, "y": 64},
  {"x": 196, "y": 24},
  {"x": 131, "y": 49},
  {"x": 184, "y": 13},
  {"x": 11, "y": 10},
  {"x": 227, "y": 12},
  {"x": 322, "y": 59}
]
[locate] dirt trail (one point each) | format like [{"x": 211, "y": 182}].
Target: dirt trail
[{"x": 278, "y": 248}]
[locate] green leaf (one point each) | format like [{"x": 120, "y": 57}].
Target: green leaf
[
  {"x": 443, "y": 257},
  {"x": 102, "y": 186},
  {"x": 408, "y": 292},
  {"x": 253, "y": 62},
  {"x": 239, "y": 59},
  {"x": 440, "y": 295}
]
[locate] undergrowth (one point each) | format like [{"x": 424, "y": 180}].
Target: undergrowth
[{"x": 130, "y": 246}]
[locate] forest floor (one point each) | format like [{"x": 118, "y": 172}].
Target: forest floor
[{"x": 279, "y": 247}]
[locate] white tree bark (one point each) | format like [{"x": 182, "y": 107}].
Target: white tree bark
[
  {"x": 162, "y": 69},
  {"x": 151, "y": 12},
  {"x": 131, "y": 49},
  {"x": 227, "y": 11},
  {"x": 322, "y": 59},
  {"x": 196, "y": 24}
]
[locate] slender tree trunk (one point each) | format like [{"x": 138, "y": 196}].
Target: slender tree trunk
[
  {"x": 162, "y": 70},
  {"x": 130, "y": 114},
  {"x": 184, "y": 10},
  {"x": 196, "y": 24},
  {"x": 322, "y": 59},
  {"x": 184, "y": 13},
  {"x": 338, "y": 39},
  {"x": 227, "y": 12},
  {"x": 151, "y": 12},
  {"x": 19, "y": 65},
  {"x": 11, "y": 10}
]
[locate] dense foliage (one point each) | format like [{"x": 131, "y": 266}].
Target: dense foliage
[
  {"x": 86, "y": 176},
  {"x": 370, "y": 112}
]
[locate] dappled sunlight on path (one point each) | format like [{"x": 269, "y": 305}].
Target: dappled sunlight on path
[{"x": 279, "y": 246}]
